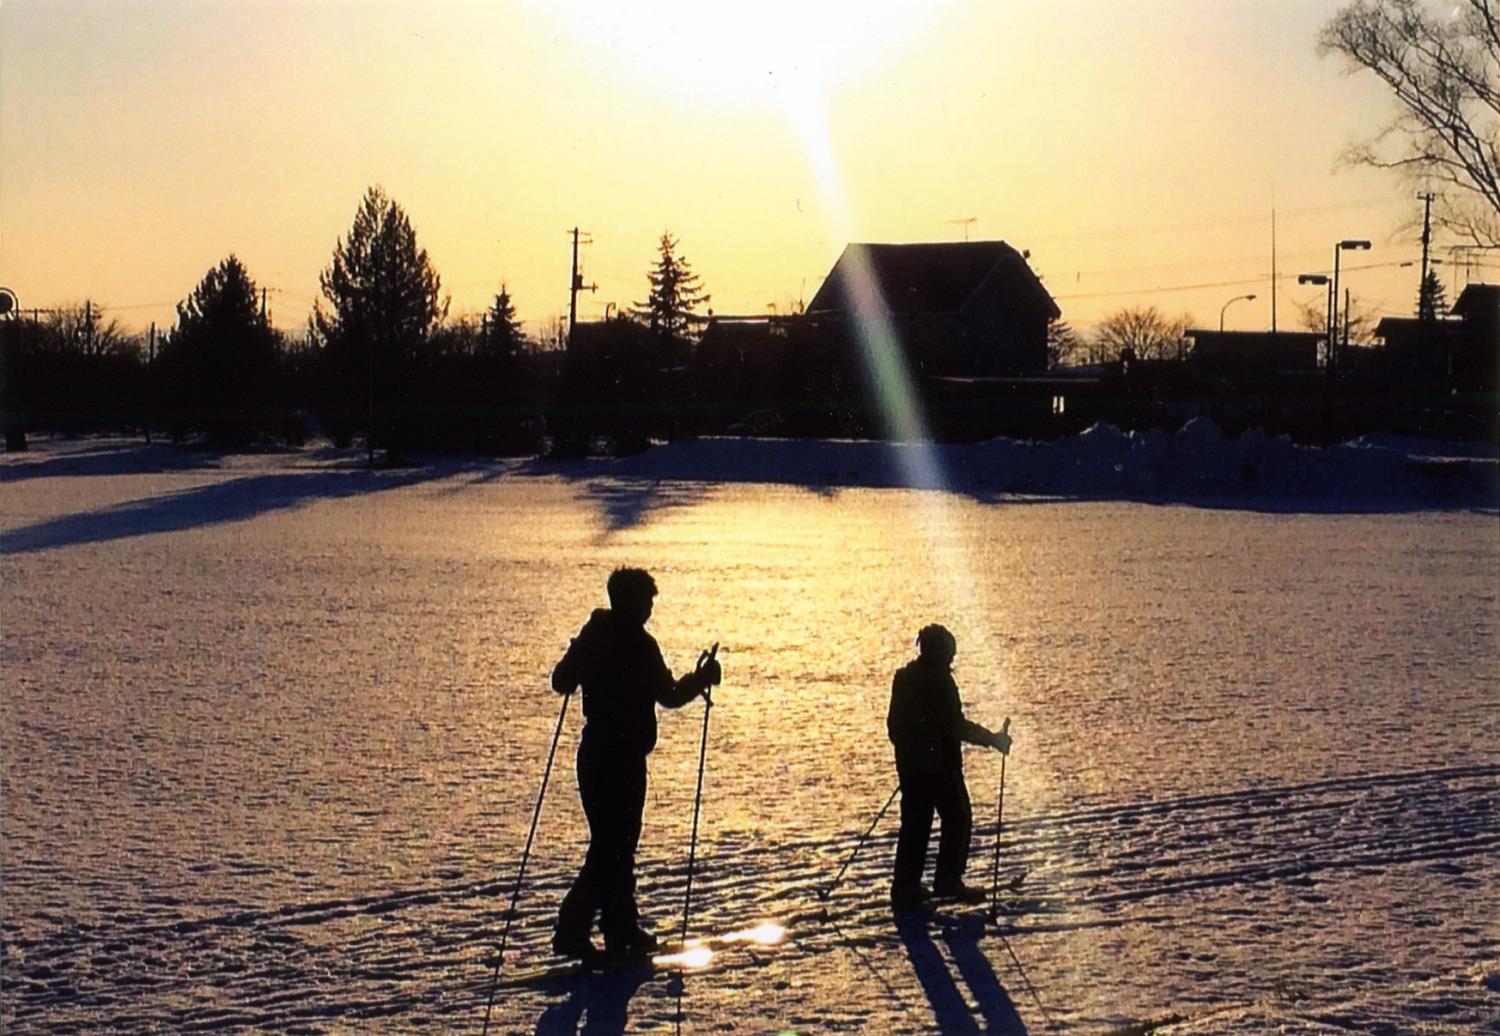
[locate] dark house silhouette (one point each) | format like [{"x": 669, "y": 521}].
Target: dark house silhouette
[
  {"x": 1440, "y": 376},
  {"x": 1254, "y": 356},
  {"x": 1265, "y": 379},
  {"x": 970, "y": 320},
  {"x": 1459, "y": 352},
  {"x": 960, "y": 309}
]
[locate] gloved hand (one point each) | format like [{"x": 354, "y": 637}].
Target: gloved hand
[
  {"x": 707, "y": 670},
  {"x": 1001, "y": 740}
]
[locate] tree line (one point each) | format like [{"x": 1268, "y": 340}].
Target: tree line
[{"x": 380, "y": 358}]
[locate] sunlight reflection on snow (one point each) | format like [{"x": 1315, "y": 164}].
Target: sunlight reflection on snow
[
  {"x": 762, "y": 935},
  {"x": 695, "y": 956}
]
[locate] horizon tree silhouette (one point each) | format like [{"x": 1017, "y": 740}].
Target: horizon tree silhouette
[
  {"x": 1144, "y": 329},
  {"x": 1432, "y": 297},
  {"x": 676, "y": 293},
  {"x": 1361, "y": 316},
  {"x": 1064, "y": 345},
  {"x": 383, "y": 307},
  {"x": 503, "y": 334},
  {"x": 77, "y": 369},
  {"x": 218, "y": 367}
]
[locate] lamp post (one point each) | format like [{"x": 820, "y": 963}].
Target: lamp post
[
  {"x": 1323, "y": 279},
  {"x": 1333, "y": 329},
  {"x": 1237, "y": 298}
]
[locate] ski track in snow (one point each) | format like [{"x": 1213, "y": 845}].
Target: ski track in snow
[{"x": 1178, "y": 870}]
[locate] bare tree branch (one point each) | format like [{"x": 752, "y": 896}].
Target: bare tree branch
[{"x": 1442, "y": 64}]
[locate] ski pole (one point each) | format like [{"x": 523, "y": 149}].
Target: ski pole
[
  {"x": 708, "y": 704},
  {"x": 515, "y": 894},
  {"x": 999, "y": 819},
  {"x": 837, "y": 878}
]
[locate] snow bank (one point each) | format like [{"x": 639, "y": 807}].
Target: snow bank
[{"x": 1197, "y": 463}]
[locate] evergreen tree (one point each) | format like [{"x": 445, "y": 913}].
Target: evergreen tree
[
  {"x": 1432, "y": 300},
  {"x": 382, "y": 293},
  {"x": 503, "y": 335},
  {"x": 676, "y": 293},
  {"x": 219, "y": 366}
]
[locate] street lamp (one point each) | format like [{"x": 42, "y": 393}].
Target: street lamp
[
  {"x": 1237, "y": 298},
  {"x": 1323, "y": 278},
  {"x": 1347, "y": 245}
]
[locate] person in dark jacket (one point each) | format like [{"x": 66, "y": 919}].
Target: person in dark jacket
[
  {"x": 624, "y": 679},
  {"x": 927, "y": 726}
]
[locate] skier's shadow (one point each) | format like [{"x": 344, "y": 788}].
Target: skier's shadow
[
  {"x": 951, "y": 1012},
  {"x": 598, "y": 1000}
]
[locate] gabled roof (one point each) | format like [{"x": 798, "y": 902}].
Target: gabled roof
[
  {"x": 930, "y": 278},
  {"x": 1478, "y": 299}
]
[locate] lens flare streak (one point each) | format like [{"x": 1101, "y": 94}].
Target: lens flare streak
[{"x": 887, "y": 373}]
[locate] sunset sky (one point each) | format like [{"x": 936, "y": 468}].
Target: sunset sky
[{"x": 1135, "y": 147}]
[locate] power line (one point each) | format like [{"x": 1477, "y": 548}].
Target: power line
[
  {"x": 1163, "y": 289},
  {"x": 1192, "y": 264},
  {"x": 135, "y": 305},
  {"x": 1227, "y": 221}
]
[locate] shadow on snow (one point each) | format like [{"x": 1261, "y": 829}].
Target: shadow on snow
[
  {"x": 622, "y": 501},
  {"x": 220, "y": 502},
  {"x": 950, "y": 1010},
  {"x": 599, "y": 1001}
]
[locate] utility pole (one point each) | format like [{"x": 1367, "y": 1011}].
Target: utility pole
[
  {"x": 1426, "y": 233},
  {"x": 1425, "y": 307},
  {"x": 575, "y": 285},
  {"x": 1273, "y": 269},
  {"x": 150, "y": 380},
  {"x": 965, "y": 221},
  {"x": 1344, "y": 352}
]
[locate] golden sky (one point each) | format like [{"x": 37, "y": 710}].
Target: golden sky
[{"x": 1135, "y": 147}]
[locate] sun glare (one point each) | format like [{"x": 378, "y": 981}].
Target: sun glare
[{"x": 748, "y": 52}]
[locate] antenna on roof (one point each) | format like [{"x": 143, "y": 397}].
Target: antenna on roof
[{"x": 965, "y": 221}]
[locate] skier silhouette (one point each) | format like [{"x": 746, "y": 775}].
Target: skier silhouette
[
  {"x": 624, "y": 679},
  {"x": 926, "y": 725}
]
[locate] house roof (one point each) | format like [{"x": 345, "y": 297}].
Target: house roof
[
  {"x": 929, "y": 278},
  {"x": 1476, "y": 298},
  {"x": 1411, "y": 326}
]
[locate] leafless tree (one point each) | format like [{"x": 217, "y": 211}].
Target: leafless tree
[
  {"x": 1361, "y": 316},
  {"x": 82, "y": 329},
  {"x": 1144, "y": 330},
  {"x": 1442, "y": 63}
]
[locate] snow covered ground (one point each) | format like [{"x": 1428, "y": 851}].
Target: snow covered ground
[{"x": 272, "y": 728}]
